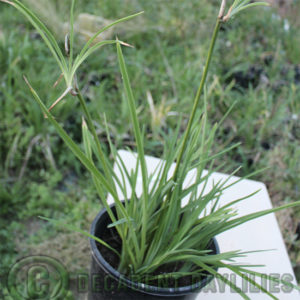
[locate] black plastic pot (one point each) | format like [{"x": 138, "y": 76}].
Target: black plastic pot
[{"x": 107, "y": 283}]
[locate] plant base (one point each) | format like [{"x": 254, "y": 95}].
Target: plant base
[{"x": 107, "y": 283}]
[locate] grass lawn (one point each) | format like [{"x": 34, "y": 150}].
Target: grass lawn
[{"x": 256, "y": 65}]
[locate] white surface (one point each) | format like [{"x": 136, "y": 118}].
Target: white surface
[{"x": 260, "y": 234}]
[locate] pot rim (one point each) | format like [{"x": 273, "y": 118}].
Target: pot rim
[{"x": 145, "y": 288}]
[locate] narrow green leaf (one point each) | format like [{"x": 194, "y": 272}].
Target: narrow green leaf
[
  {"x": 45, "y": 34},
  {"x": 139, "y": 142},
  {"x": 119, "y": 222},
  {"x": 253, "y": 282},
  {"x": 241, "y": 220},
  {"x": 80, "y": 59},
  {"x": 91, "y": 40},
  {"x": 224, "y": 279},
  {"x": 86, "y": 140},
  {"x": 239, "y": 9}
]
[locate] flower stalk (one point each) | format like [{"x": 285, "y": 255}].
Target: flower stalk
[{"x": 199, "y": 92}]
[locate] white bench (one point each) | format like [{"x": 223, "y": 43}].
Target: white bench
[{"x": 259, "y": 234}]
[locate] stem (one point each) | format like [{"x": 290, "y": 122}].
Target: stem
[
  {"x": 93, "y": 131},
  {"x": 222, "y": 9},
  {"x": 197, "y": 98}
]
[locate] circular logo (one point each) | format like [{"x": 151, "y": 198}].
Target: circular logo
[{"x": 38, "y": 277}]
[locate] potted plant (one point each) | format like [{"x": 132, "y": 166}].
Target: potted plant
[{"x": 142, "y": 240}]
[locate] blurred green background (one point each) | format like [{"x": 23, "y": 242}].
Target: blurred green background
[{"x": 256, "y": 64}]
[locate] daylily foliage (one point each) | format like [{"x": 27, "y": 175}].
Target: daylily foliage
[{"x": 154, "y": 228}]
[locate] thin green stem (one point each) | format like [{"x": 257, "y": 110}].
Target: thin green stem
[
  {"x": 71, "y": 34},
  {"x": 197, "y": 98}
]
